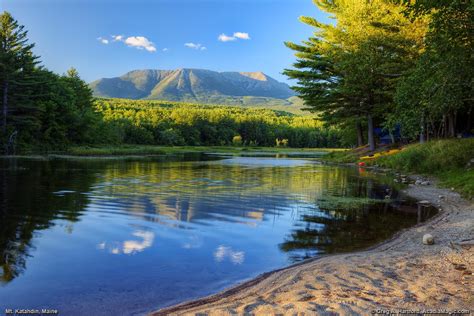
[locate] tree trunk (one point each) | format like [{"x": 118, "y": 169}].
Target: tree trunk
[
  {"x": 360, "y": 135},
  {"x": 370, "y": 134},
  {"x": 5, "y": 108},
  {"x": 451, "y": 123},
  {"x": 422, "y": 130}
]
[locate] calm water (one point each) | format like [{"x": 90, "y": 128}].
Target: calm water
[{"x": 120, "y": 237}]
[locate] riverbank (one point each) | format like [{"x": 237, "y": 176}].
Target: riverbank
[
  {"x": 151, "y": 150},
  {"x": 157, "y": 150},
  {"x": 449, "y": 160},
  {"x": 401, "y": 273}
]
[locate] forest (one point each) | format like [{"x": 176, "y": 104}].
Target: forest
[
  {"x": 404, "y": 67},
  {"x": 176, "y": 123}
]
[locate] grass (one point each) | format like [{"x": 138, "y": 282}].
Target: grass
[
  {"x": 161, "y": 150},
  {"x": 445, "y": 159}
]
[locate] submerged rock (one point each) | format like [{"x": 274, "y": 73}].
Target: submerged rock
[{"x": 428, "y": 239}]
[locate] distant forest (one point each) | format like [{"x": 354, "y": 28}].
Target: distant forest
[{"x": 176, "y": 123}]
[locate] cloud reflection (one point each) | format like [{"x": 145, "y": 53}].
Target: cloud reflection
[
  {"x": 129, "y": 247},
  {"x": 223, "y": 252}
]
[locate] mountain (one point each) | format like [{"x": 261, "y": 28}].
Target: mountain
[{"x": 195, "y": 85}]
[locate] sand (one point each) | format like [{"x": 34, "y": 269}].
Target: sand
[{"x": 400, "y": 274}]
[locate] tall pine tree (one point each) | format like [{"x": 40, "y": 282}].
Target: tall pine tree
[{"x": 17, "y": 77}]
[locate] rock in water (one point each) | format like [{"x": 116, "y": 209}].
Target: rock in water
[{"x": 428, "y": 239}]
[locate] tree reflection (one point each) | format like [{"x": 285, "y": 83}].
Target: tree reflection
[
  {"x": 28, "y": 205},
  {"x": 355, "y": 225}
]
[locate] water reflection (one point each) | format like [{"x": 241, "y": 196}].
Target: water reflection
[
  {"x": 129, "y": 247},
  {"x": 176, "y": 229},
  {"x": 223, "y": 252}
]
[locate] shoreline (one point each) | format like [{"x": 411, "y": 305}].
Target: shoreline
[
  {"x": 125, "y": 151},
  {"x": 427, "y": 276}
]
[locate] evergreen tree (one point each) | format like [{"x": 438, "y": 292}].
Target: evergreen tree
[
  {"x": 348, "y": 71},
  {"x": 17, "y": 78}
]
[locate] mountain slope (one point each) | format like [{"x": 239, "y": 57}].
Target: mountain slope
[{"x": 194, "y": 85}]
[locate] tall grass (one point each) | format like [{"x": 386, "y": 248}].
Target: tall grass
[
  {"x": 431, "y": 157},
  {"x": 446, "y": 159}
]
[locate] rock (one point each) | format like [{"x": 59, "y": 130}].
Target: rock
[
  {"x": 395, "y": 180},
  {"x": 441, "y": 197},
  {"x": 425, "y": 183},
  {"x": 387, "y": 197},
  {"x": 428, "y": 239},
  {"x": 418, "y": 182},
  {"x": 424, "y": 202}
]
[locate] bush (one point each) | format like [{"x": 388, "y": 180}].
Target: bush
[{"x": 237, "y": 140}]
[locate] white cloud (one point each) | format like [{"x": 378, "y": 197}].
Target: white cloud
[
  {"x": 235, "y": 36},
  {"x": 165, "y": 49},
  {"x": 117, "y": 37},
  {"x": 140, "y": 42},
  {"x": 226, "y": 38},
  {"x": 103, "y": 40},
  {"x": 195, "y": 46},
  {"x": 241, "y": 35}
]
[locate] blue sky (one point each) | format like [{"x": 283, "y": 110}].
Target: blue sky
[{"x": 163, "y": 34}]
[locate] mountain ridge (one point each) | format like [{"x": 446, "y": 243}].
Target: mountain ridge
[{"x": 194, "y": 85}]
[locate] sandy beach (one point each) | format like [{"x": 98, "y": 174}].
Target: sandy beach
[{"x": 399, "y": 274}]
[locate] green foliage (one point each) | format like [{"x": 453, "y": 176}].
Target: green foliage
[
  {"x": 446, "y": 159},
  {"x": 439, "y": 155},
  {"x": 435, "y": 99},
  {"x": 406, "y": 64},
  {"x": 40, "y": 109},
  {"x": 347, "y": 72},
  {"x": 174, "y": 123}
]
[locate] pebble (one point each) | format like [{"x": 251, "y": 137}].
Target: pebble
[{"x": 428, "y": 239}]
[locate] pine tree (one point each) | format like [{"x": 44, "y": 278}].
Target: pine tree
[
  {"x": 348, "y": 71},
  {"x": 17, "y": 66}
]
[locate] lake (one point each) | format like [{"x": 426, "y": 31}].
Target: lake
[{"x": 127, "y": 236}]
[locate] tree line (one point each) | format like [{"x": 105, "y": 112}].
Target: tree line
[
  {"x": 403, "y": 66},
  {"x": 177, "y": 123}
]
